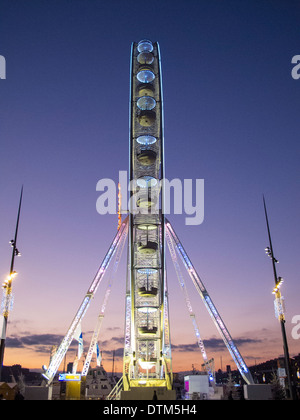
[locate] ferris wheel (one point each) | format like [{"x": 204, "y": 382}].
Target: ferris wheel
[{"x": 147, "y": 358}]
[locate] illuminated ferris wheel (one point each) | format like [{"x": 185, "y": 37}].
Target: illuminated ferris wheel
[
  {"x": 147, "y": 353},
  {"x": 147, "y": 361}
]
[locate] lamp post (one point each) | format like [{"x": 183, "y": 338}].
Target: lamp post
[
  {"x": 7, "y": 288},
  {"x": 279, "y": 306}
]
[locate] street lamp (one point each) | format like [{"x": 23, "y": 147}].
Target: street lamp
[
  {"x": 279, "y": 307},
  {"x": 269, "y": 253},
  {"x": 7, "y": 288}
]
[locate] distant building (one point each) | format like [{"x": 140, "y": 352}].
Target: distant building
[
  {"x": 8, "y": 390},
  {"x": 263, "y": 373},
  {"x": 15, "y": 372},
  {"x": 98, "y": 384}
]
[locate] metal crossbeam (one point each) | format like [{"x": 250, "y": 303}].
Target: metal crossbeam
[
  {"x": 63, "y": 348},
  {"x": 171, "y": 246},
  {"x": 103, "y": 307},
  {"x": 233, "y": 350}
]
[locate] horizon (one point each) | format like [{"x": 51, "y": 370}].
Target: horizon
[{"x": 117, "y": 373}]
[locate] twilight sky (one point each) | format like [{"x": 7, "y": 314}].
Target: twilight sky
[{"x": 231, "y": 118}]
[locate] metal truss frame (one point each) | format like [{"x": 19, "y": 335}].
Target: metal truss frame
[
  {"x": 59, "y": 354},
  {"x": 232, "y": 348}
]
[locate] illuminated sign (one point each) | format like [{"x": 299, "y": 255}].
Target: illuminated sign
[{"x": 69, "y": 377}]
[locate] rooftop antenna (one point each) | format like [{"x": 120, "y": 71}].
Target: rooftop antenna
[{"x": 7, "y": 288}]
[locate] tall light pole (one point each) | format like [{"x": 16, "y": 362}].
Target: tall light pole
[
  {"x": 7, "y": 288},
  {"x": 279, "y": 306}
]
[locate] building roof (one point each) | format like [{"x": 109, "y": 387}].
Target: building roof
[{"x": 8, "y": 384}]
